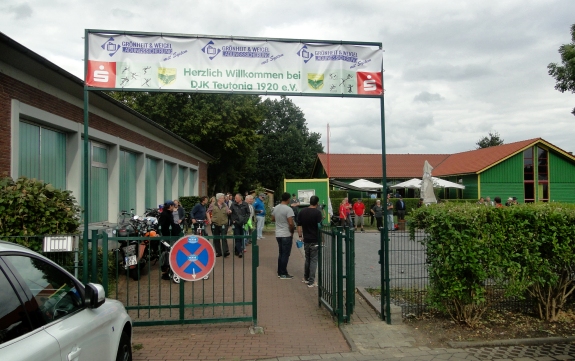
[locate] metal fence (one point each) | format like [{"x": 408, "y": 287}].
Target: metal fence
[
  {"x": 336, "y": 271},
  {"x": 409, "y": 281},
  {"x": 228, "y": 294}
]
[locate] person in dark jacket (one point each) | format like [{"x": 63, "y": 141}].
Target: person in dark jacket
[
  {"x": 198, "y": 214},
  {"x": 400, "y": 208},
  {"x": 239, "y": 216},
  {"x": 166, "y": 221},
  {"x": 168, "y": 228}
]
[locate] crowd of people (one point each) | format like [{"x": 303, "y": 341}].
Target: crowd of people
[{"x": 511, "y": 201}]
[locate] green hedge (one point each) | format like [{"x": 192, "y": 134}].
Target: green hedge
[
  {"x": 479, "y": 255},
  {"x": 189, "y": 202}
]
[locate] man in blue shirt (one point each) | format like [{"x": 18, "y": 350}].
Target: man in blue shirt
[{"x": 260, "y": 210}]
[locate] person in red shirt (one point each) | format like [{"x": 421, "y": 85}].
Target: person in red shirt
[
  {"x": 344, "y": 210},
  {"x": 359, "y": 209}
]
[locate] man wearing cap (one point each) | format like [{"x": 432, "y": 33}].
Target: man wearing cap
[
  {"x": 400, "y": 208},
  {"x": 260, "y": 210},
  {"x": 359, "y": 209}
]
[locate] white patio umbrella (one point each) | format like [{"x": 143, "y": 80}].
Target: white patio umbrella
[
  {"x": 442, "y": 183},
  {"x": 427, "y": 185},
  {"x": 414, "y": 183},
  {"x": 365, "y": 184}
]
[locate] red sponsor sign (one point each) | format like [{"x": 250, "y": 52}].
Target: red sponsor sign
[
  {"x": 101, "y": 74},
  {"x": 369, "y": 83}
]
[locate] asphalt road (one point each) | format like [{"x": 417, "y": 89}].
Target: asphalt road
[{"x": 407, "y": 261}]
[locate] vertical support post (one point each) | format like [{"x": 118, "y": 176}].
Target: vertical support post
[
  {"x": 384, "y": 240},
  {"x": 339, "y": 272},
  {"x": 320, "y": 266},
  {"x": 86, "y": 193},
  {"x": 94, "y": 262},
  {"x": 182, "y": 302},
  {"x": 105, "y": 262},
  {"x": 255, "y": 265}
]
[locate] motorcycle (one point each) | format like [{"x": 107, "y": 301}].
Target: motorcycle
[{"x": 135, "y": 254}]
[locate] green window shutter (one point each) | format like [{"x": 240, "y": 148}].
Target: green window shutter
[
  {"x": 29, "y": 162},
  {"x": 42, "y": 154},
  {"x": 151, "y": 183},
  {"x": 127, "y": 180},
  {"x": 53, "y": 157},
  {"x": 99, "y": 184},
  {"x": 98, "y": 195},
  {"x": 168, "y": 167},
  {"x": 181, "y": 178},
  {"x": 192, "y": 181}
]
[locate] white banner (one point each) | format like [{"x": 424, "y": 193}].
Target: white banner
[{"x": 139, "y": 62}]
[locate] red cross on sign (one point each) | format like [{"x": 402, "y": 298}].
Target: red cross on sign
[{"x": 192, "y": 258}]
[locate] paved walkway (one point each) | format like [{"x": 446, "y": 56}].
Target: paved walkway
[
  {"x": 288, "y": 311},
  {"x": 295, "y": 328}
]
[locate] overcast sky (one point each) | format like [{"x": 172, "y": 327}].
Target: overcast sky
[{"x": 454, "y": 70}]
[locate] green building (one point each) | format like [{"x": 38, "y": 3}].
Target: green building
[{"x": 532, "y": 170}]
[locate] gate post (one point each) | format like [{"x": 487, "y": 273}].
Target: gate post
[
  {"x": 255, "y": 265},
  {"x": 339, "y": 275}
]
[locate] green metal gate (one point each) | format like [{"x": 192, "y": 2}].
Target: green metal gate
[
  {"x": 228, "y": 295},
  {"x": 336, "y": 271}
]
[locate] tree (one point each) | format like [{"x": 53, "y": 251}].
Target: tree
[
  {"x": 287, "y": 148},
  {"x": 222, "y": 125},
  {"x": 565, "y": 74},
  {"x": 492, "y": 140}
]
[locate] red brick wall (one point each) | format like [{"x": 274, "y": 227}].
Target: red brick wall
[{"x": 11, "y": 88}]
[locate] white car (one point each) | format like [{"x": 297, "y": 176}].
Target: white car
[{"x": 47, "y": 314}]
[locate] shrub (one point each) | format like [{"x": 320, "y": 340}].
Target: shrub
[
  {"x": 473, "y": 250},
  {"x": 30, "y": 207}
]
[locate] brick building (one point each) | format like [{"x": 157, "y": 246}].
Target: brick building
[{"x": 135, "y": 163}]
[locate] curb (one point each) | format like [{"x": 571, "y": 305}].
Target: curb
[
  {"x": 512, "y": 342},
  {"x": 348, "y": 339},
  {"x": 373, "y": 303}
]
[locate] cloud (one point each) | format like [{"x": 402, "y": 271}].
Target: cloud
[
  {"x": 427, "y": 97},
  {"x": 22, "y": 11},
  {"x": 121, "y": 13},
  {"x": 447, "y": 72}
]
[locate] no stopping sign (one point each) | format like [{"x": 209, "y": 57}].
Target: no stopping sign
[{"x": 192, "y": 258}]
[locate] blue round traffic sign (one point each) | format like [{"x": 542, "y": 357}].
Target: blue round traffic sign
[{"x": 192, "y": 258}]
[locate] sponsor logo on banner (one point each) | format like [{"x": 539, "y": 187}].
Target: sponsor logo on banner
[
  {"x": 111, "y": 47},
  {"x": 166, "y": 76},
  {"x": 336, "y": 55},
  {"x": 235, "y": 51},
  {"x": 315, "y": 81},
  {"x": 305, "y": 54},
  {"x": 369, "y": 83},
  {"x": 101, "y": 74},
  {"x": 210, "y": 50}
]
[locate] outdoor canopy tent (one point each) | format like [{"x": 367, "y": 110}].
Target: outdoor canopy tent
[
  {"x": 415, "y": 183},
  {"x": 366, "y": 185}
]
